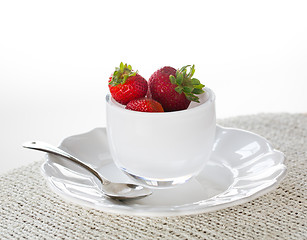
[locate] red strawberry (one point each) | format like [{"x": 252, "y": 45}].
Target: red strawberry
[
  {"x": 144, "y": 105},
  {"x": 174, "y": 89},
  {"x": 126, "y": 85}
]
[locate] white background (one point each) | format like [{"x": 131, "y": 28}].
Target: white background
[{"x": 56, "y": 57}]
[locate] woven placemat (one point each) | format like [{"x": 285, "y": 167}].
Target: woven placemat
[{"x": 29, "y": 210}]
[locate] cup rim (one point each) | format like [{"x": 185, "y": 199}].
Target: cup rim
[{"x": 209, "y": 101}]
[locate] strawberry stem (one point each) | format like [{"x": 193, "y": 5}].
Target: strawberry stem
[
  {"x": 186, "y": 84},
  {"x": 121, "y": 74}
]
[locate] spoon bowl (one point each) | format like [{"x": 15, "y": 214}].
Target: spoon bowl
[{"x": 120, "y": 191}]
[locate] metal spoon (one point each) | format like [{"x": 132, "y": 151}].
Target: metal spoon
[{"x": 113, "y": 190}]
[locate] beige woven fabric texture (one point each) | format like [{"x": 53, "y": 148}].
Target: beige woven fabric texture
[{"x": 29, "y": 210}]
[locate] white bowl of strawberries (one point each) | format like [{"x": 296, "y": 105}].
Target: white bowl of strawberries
[{"x": 160, "y": 132}]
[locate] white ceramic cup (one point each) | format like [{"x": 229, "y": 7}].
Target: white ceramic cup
[{"x": 162, "y": 149}]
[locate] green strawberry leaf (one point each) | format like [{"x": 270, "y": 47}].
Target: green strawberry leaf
[
  {"x": 192, "y": 97},
  {"x": 187, "y": 89},
  {"x": 121, "y": 67},
  {"x": 121, "y": 74},
  {"x": 172, "y": 79},
  {"x": 195, "y": 81},
  {"x": 197, "y": 91},
  {"x": 179, "y": 89},
  {"x": 186, "y": 84},
  {"x": 192, "y": 71},
  {"x": 199, "y": 86},
  {"x": 179, "y": 79}
]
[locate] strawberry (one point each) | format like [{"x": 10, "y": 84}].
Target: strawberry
[
  {"x": 174, "y": 89},
  {"x": 126, "y": 85},
  {"x": 144, "y": 105}
]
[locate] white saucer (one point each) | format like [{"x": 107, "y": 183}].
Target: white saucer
[{"x": 243, "y": 166}]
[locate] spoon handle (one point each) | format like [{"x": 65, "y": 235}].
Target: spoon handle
[{"x": 45, "y": 147}]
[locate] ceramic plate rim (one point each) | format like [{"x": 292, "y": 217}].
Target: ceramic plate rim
[{"x": 176, "y": 212}]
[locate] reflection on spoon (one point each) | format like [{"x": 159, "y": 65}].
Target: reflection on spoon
[{"x": 113, "y": 190}]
